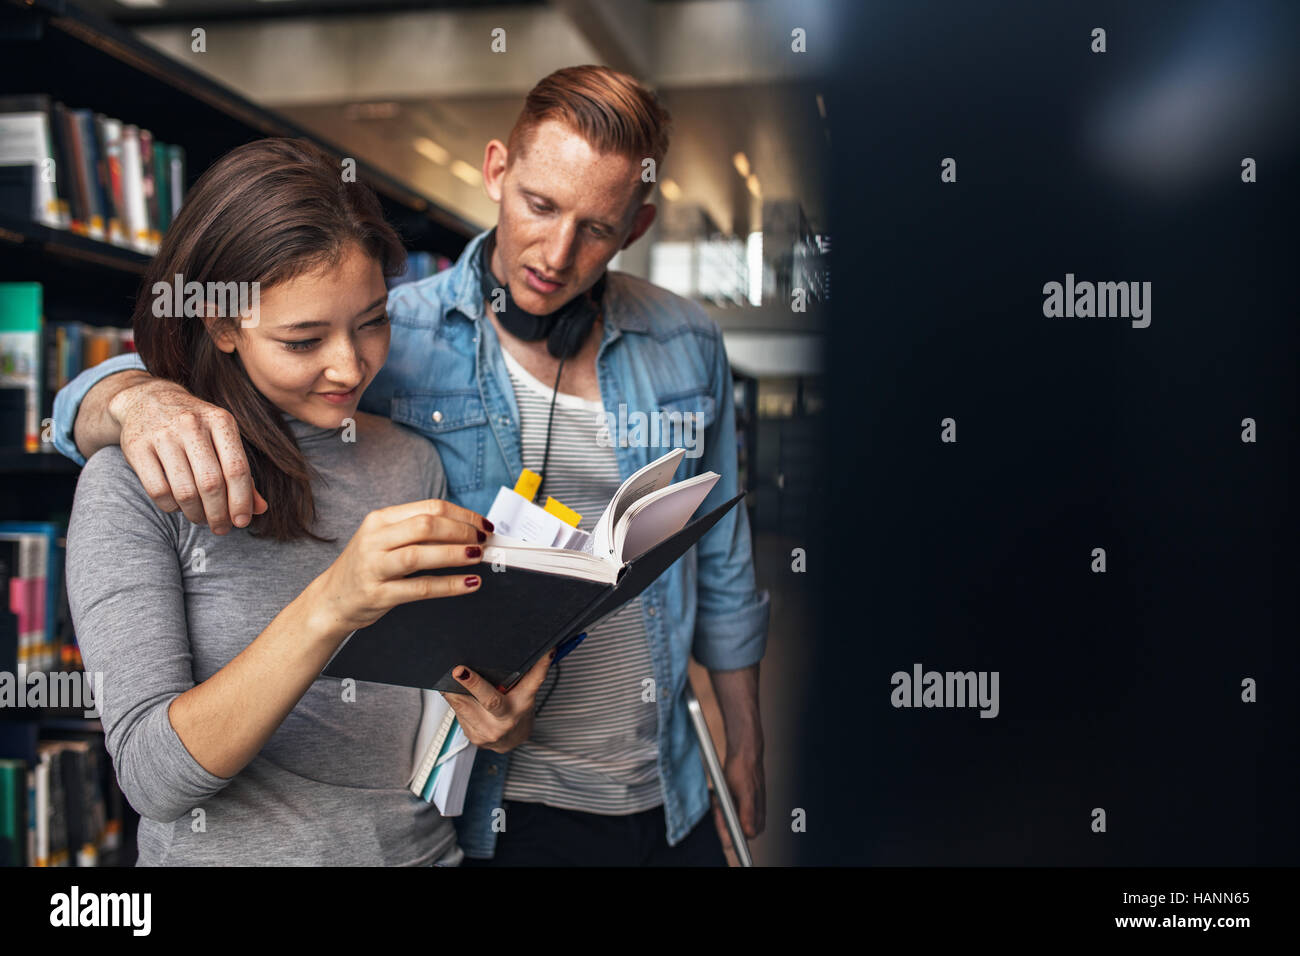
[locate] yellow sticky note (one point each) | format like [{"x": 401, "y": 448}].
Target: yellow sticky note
[
  {"x": 563, "y": 512},
  {"x": 528, "y": 483}
]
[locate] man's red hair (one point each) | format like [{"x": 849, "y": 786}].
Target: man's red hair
[{"x": 610, "y": 110}]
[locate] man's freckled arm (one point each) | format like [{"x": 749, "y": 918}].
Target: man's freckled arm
[{"x": 95, "y": 426}]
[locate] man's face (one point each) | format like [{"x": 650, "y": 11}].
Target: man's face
[{"x": 565, "y": 211}]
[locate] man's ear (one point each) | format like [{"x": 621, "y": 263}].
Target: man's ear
[
  {"x": 495, "y": 157},
  {"x": 645, "y": 216}
]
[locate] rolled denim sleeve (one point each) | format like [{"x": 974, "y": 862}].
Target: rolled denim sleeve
[
  {"x": 68, "y": 402},
  {"x": 732, "y": 615}
]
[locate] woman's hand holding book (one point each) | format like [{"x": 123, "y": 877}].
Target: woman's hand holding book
[{"x": 370, "y": 577}]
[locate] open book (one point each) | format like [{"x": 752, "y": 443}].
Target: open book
[
  {"x": 533, "y": 598},
  {"x": 646, "y": 510}
]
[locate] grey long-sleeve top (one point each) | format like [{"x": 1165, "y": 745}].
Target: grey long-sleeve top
[{"x": 160, "y": 604}]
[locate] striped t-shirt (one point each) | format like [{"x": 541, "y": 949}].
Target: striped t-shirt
[{"x": 594, "y": 743}]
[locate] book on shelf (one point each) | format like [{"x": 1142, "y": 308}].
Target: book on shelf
[
  {"x": 175, "y": 180},
  {"x": 62, "y": 811},
  {"x": 83, "y": 799},
  {"x": 28, "y": 164},
  {"x": 110, "y": 138},
  {"x": 37, "y": 358},
  {"x": 13, "y": 812},
  {"x": 137, "y": 210},
  {"x": 90, "y": 174},
  {"x": 150, "y": 185},
  {"x": 10, "y": 631},
  {"x": 85, "y": 173},
  {"x": 32, "y": 552},
  {"x": 20, "y": 359},
  {"x": 49, "y": 830}
]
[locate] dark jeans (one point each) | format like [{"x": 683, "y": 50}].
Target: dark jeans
[{"x": 538, "y": 835}]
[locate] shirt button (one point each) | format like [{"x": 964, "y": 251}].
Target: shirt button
[
  {"x": 437, "y": 416},
  {"x": 492, "y": 770},
  {"x": 653, "y": 612}
]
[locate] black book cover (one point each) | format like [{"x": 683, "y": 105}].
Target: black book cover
[
  {"x": 18, "y": 183},
  {"x": 8, "y": 619},
  {"x": 505, "y": 626},
  {"x": 74, "y": 800},
  {"x": 63, "y": 169}
]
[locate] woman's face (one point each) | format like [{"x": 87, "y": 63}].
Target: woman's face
[{"x": 319, "y": 340}]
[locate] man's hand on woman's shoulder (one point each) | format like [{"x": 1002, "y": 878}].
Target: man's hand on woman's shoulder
[{"x": 187, "y": 454}]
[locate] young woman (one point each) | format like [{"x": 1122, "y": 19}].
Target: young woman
[{"x": 222, "y": 733}]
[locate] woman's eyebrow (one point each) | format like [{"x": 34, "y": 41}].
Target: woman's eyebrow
[
  {"x": 374, "y": 305},
  {"x": 317, "y": 323}
]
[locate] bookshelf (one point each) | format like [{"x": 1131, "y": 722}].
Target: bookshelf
[
  {"x": 53, "y": 48},
  {"x": 68, "y": 249}
]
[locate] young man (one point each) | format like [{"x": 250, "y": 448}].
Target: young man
[{"x": 528, "y": 353}]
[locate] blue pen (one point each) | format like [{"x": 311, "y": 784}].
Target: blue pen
[{"x": 566, "y": 646}]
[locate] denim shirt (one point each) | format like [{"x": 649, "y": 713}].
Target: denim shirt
[{"x": 445, "y": 378}]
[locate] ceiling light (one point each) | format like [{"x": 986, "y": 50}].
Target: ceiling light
[
  {"x": 672, "y": 192},
  {"x": 752, "y": 182},
  {"x": 741, "y": 162},
  {"x": 431, "y": 150},
  {"x": 466, "y": 173}
]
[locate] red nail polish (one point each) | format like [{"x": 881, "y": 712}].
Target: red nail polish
[
  {"x": 488, "y": 525},
  {"x": 481, "y": 536},
  {"x": 474, "y": 552},
  {"x": 462, "y": 674},
  {"x": 471, "y": 581}
]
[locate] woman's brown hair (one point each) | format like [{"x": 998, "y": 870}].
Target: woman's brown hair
[{"x": 266, "y": 212}]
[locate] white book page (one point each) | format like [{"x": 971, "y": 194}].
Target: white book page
[
  {"x": 659, "y": 516},
  {"x": 514, "y": 516},
  {"x": 651, "y": 478},
  {"x": 510, "y": 553},
  {"x": 453, "y": 773},
  {"x": 435, "y": 710},
  {"x": 576, "y": 540}
]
